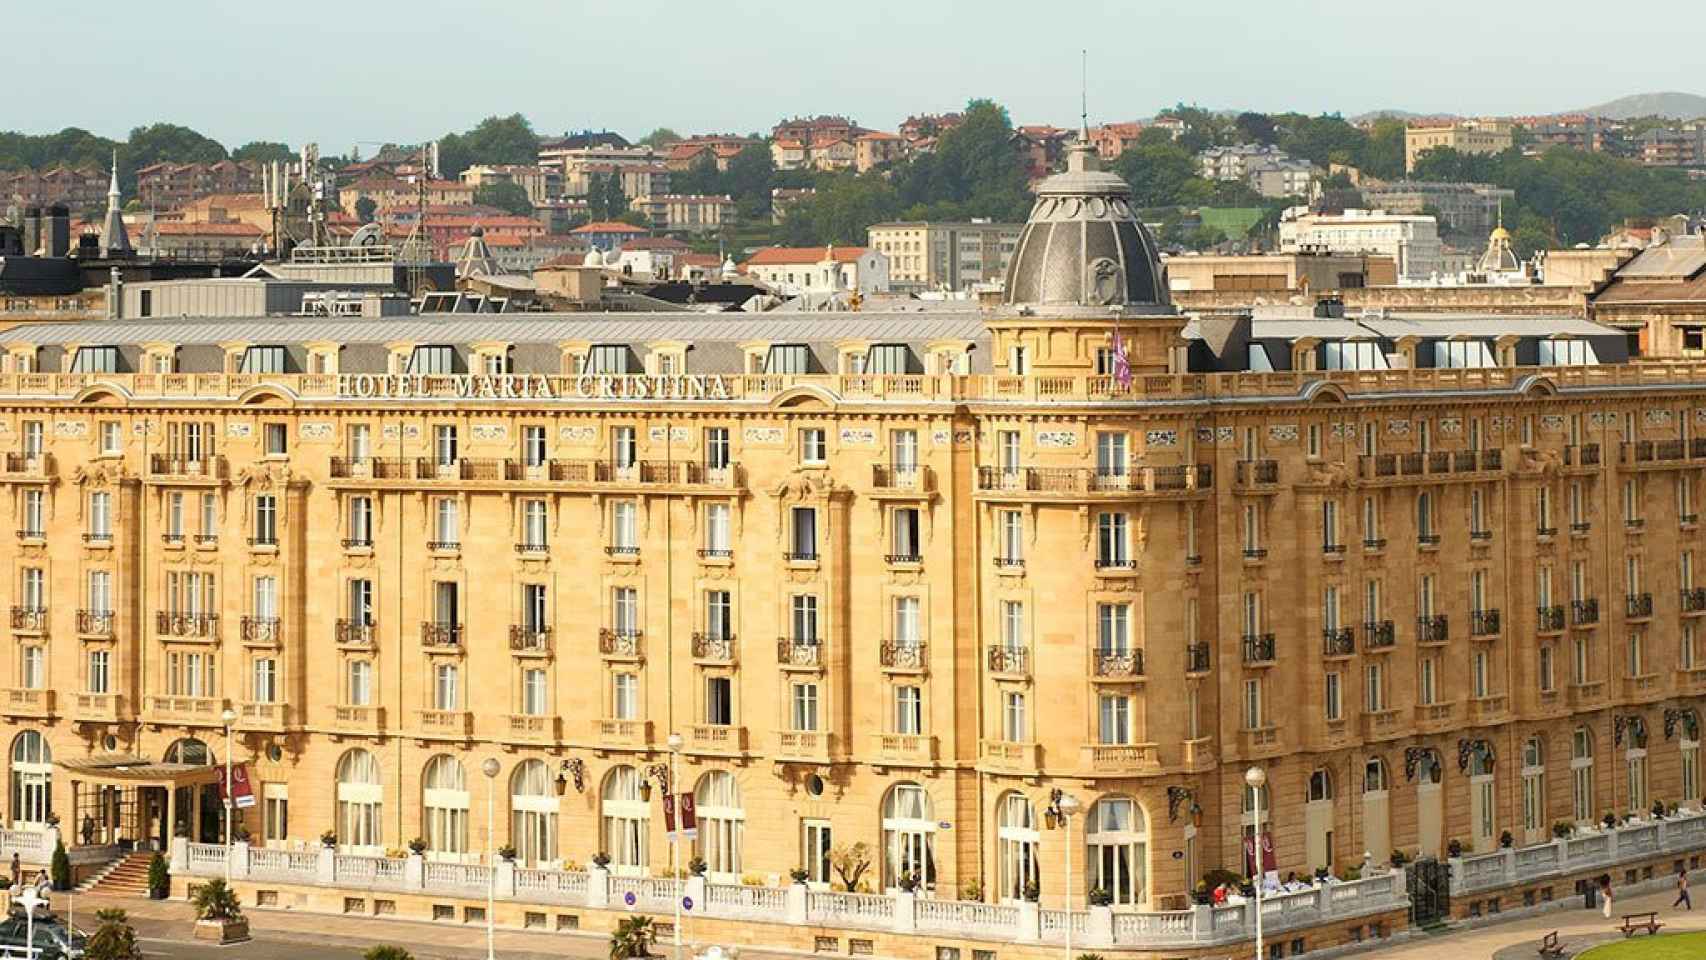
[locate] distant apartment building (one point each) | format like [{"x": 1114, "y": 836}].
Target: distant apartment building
[
  {"x": 686, "y": 213},
  {"x": 797, "y": 271},
  {"x": 390, "y": 192},
  {"x": 249, "y": 208},
  {"x": 1576, "y": 132},
  {"x": 176, "y": 238},
  {"x": 162, "y": 186},
  {"x": 608, "y": 235},
  {"x": 1277, "y": 273},
  {"x": 1411, "y": 241},
  {"x": 1464, "y": 136},
  {"x": 1469, "y": 209},
  {"x": 929, "y": 126},
  {"x": 1680, "y": 146},
  {"x": 721, "y": 148},
  {"x": 1234, "y": 162},
  {"x": 537, "y": 180},
  {"x": 79, "y": 188},
  {"x": 638, "y": 169},
  {"x": 832, "y": 143},
  {"x": 1040, "y": 149},
  {"x": 1113, "y": 139},
  {"x": 554, "y": 151},
  {"x": 944, "y": 256}
]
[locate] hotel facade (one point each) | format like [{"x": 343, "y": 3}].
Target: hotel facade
[{"x": 916, "y": 581}]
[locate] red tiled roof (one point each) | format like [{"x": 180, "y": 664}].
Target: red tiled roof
[
  {"x": 773, "y": 256},
  {"x": 609, "y": 226},
  {"x": 655, "y": 243},
  {"x": 176, "y": 228}
]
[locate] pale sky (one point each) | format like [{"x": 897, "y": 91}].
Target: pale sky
[{"x": 361, "y": 72}]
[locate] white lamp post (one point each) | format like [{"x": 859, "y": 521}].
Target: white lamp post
[
  {"x": 229, "y": 717},
  {"x": 1255, "y": 778},
  {"x": 674, "y": 742},
  {"x": 30, "y": 900},
  {"x": 1066, "y": 808},
  {"x": 490, "y": 769}
]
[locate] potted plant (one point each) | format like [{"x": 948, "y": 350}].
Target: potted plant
[
  {"x": 329, "y": 838},
  {"x": 971, "y": 890},
  {"x": 218, "y": 914},
  {"x": 1454, "y": 848},
  {"x": 601, "y": 860},
  {"x": 1658, "y": 809},
  {"x": 1610, "y": 820},
  {"x": 159, "y": 878},
  {"x": 114, "y": 939},
  {"x": 907, "y": 881},
  {"x": 418, "y": 846},
  {"x": 697, "y": 866},
  {"x": 1100, "y": 897},
  {"x": 1399, "y": 858},
  {"x": 1506, "y": 841},
  {"x": 1563, "y": 829},
  {"x": 799, "y": 875},
  {"x": 59, "y": 868},
  {"x": 1202, "y": 894},
  {"x": 632, "y": 939}
]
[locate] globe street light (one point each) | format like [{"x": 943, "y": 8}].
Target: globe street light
[
  {"x": 490, "y": 769},
  {"x": 229, "y": 716},
  {"x": 1255, "y": 778},
  {"x": 1066, "y": 806}
]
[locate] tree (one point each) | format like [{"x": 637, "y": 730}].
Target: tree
[
  {"x": 114, "y": 939},
  {"x": 506, "y": 196},
  {"x": 364, "y": 208},
  {"x": 60, "y": 867},
  {"x": 1157, "y": 172},
  {"x": 386, "y": 951},
  {"x": 1255, "y": 128},
  {"x": 493, "y": 140},
  {"x": 263, "y": 150},
  {"x": 1383, "y": 154},
  {"x": 633, "y": 938},
  {"x": 657, "y": 138},
  {"x": 214, "y": 900},
  {"x": 850, "y": 862}
]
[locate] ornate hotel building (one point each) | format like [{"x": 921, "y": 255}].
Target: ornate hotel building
[{"x": 891, "y": 578}]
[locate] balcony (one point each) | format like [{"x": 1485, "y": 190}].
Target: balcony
[
  {"x": 1489, "y": 709},
  {"x": 166, "y": 466},
  {"x": 1693, "y": 600},
  {"x": 358, "y": 720},
  {"x": 1258, "y": 649},
  {"x": 18, "y": 466},
  {"x": 624, "y": 733},
  {"x": 802, "y": 653},
  {"x": 357, "y": 543},
  {"x": 622, "y": 551},
  {"x": 1379, "y": 635},
  {"x": 98, "y": 707},
  {"x": 1380, "y": 725},
  {"x": 262, "y": 631},
  {"x": 714, "y": 647},
  {"x": 1255, "y": 554},
  {"x": 95, "y": 623},
  {"x": 355, "y": 633},
  {"x": 102, "y": 540},
  {"x": 624, "y": 644},
  {"x": 1434, "y": 717},
  {"x": 1406, "y": 467},
  {"x": 1638, "y": 606},
  {"x": 455, "y": 724},
  {"x": 903, "y": 559},
  {"x": 1587, "y": 694},
  {"x": 1198, "y": 754},
  {"x": 1581, "y": 455},
  {"x": 266, "y": 717},
  {"x": 1255, "y": 474},
  {"x": 27, "y": 702},
  {"x": 805, "y": 746},
  {"x": 801, "y": 557},
  {"x": 1549, "y": 619},
  {"x": 187, "y": 626},
  {"x": 1333, "y": 551},
  {"x": 32, "y": 534},
  {"x": 906, "y": 656},
  {"x": 908, "y": 478},
  {"x": 473, "y": 471},
  {"x": 195, "y": 711},
  {"x": 446, "y": 546},
  {"x": 438, "y": 633},
  {"x": 1260, "y": 741},
  {"x": 206, "y": 541},
  {"x": 264, "y": 542},
  {"x": 1120, "y": 759},
  {"x": 29, "y": 619},
  {"x": 1427, "y": 541},
  {"x": 1659, "y": 454},
  {"x": 1082, "y": 482},
  {"x": 1373, "y": 544},
  {"x": 1584, "y": 612},
  {"x": 529, "y": 638},
  {"x": 1008, "y": 756},
  {"x": 533, "y": 728},
  {"x": 1116, "y": 664},
  {"x": 1580, "y": 528},
  {"x": 532, "y": 550},
  {"x": 716, "y": 739},
  {"x": 1484, "y": 623},
  {"x": 1338, "y": 642},
  {"x": 1433, "y": 629},
  {"x": 1542, "y": 533},
  {"x": 1197, "y": 657},
  {"x": 1009, "y": 661},
  {"x": 173, "y": 541}
]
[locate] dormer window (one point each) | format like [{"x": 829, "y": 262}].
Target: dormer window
[
  {"x": 495, "y": 364},
  {"x": 1463, "y": 353},
  {"x": 1567, "y": 353},
  {"x": 1353, "y": 355},
  {"x": 264, "y": 360},
  {"x": 788, "y": 358},
  {"x": 95, "y": 360},
  {"x": 892, "y": 358},
  {"x": 433, "y": 359},
  {"x": 607, "y": 358}
]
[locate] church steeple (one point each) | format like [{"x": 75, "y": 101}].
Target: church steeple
[{"x": 115, "y": 242}]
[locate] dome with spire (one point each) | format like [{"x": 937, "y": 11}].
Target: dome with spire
[{"x": 1084, "y": 246}]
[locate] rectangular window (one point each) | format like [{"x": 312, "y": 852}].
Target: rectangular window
[
  {"x": 175, "y": 515},
  {"x": 1685, "y": 653},
  {"x": 1428, "y": 691},
  {"x": 32, "y": 667},
  {"x": 719, "y": 614},
  {"x": 1012, "y": 527},
  {"x": 444, "y": 446},
  {"x": 717, "y": 535},
  {"x": 446, "y": 530},
  {"x": 906, "y": 546},
  {"x": 534, "y": 701},
  {"x": 266, "y": 519},
  {"x": 1013, "y": 723},
  {"x": 625, "y": 526},
  {"x": 361, "y": 521},
  {"x": 816, "y": 841},
  {"x": 209, "y": 517},
  {"x": 1111, "y": 457},
  {"x": 804, "y": 533},
  {"x": 719, "y": 701},
  {"x": 1374, "y": 687},
  {"x": 359, "y": 602},
  {"x": 276, "y": 439},
  {"x": 804, "y": 706},
  {"x": 112, "y": 438},
  {"x": 535, "y": 610},
  {"x": 1478, "y": 675},
  {"x": 101, "y": 515},
  {"x": 908, "y": 710},
  {"x": 359, "y": 680},
  {"x": 1007, "y": 450},
  {"x": 358, "y": 442},
  {"x": 903, "y": 452},
  {"x": 1547, "y": 670},
  {"x": 1112, "y": 540},
  {"x": 100, "y": 592},
  {"x": 266, "y": 598},
  {"x": 625, "y": 697},
  {"x": 1114, "y": 719},
  {"x": 445, "y": 692},
  {"x": 533, "y": 524},
  {"x": 906, "y": 622},
  {"x": 1113, "y": 629},
  {"x": 533, "y": 446},
  {"x": 814, "y": 448},
  {"x": 35, "y": 513},
  {"x": 447, "y": 605},
  {"x": 100, "y": 672},
  {"x": 1329, "y": 524},
  {"x": 276, "y": 810},
  {"x": 625, "y": 611},
  {"x": 1253, "y": 715},
  {"x": 717, "y": 448},
  {"x": 34, "y": 442},
  {"x": 263, "y": 684},
  {"x": 804, "y": 617},
  {"x": 1012, "y": 625},
  {"x": 1333, "y": 696}
]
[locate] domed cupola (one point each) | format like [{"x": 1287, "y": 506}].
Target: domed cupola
[{"x": 1083, "y": 245}]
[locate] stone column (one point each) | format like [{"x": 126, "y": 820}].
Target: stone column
[
  {"x": 1030, "y": 922},
  {"x": 503, "y": 879},
  {"x": 597, "y": 887},
  {"x": 1099, "y": 929},
  {"x": 239, "y": 854},
  {"x": 180, "y": 854},
  {"x": 414, "y": 872},
  {"x": 904, "y": 905},
  {"x": 796, "y": 905},
  {"x": 326, "y": 867}
]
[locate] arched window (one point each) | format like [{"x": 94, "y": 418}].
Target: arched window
[
  {"x": 533, "y": 813},
  {"x": 1016, "y": 835},
  {"x": 1429, "y": 771},
  {"x": 189, "y": 751},
  {"x": 1533, "y": 786},
  {"x": 1581, "y": 774},
  {"x": 909, "y": 836},
  {"x": 1374, "y": 776},
  {"x": 444, "y": 801},
  {"x": 1117, "y": 832},
  {"x": 32, "y": 780},
  {"x": 360, "y": 801},
  {"x": 625, "y": 816},
  {"x": 722, "y": 823},
  {"x": 1249, "y": 807},
  {"x": 1376, "y": 810},
  {"x": 1320, "y": 785}
]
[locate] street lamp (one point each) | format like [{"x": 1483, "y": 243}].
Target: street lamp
[
  {"x": 674, "y": 743},
  {"x": 229, "y": 716},
  {"x": 490, "y": 769},
  {"x": 1066, "y": 806},
  {"x": 1255, "y": 778},
  {"x": 30, "y": 900}
]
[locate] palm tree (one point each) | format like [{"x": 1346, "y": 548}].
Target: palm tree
[
  {"x": 632, "y": 939},
  {"x": 113, "y": 939}
]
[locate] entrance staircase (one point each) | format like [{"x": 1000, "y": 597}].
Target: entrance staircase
[{"x": 125, "y": 877}]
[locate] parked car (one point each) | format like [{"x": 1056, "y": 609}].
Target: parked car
[{"x": 53, "y": 940}]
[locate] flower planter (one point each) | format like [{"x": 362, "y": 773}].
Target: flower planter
[{"x": 222, "y": 931}]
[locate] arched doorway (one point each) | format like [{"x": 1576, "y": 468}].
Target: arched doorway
[
  {"x": 722, "y": 824},
  {"x": 1430, "y": 804},
  {"x": 533, "y": 814},
  {"x": 1117, "y": 834},
  {"x": 1318, "y": 820},
  {"x": 1534, "y": 824},
  {"x": 444, "y": 808},
  {"x": 32, "y": 781},
  {"x": 1376, "y": 808},
  {"x": 909, "y": 836},
  {"x": 361, "y": 791},
  {"x": 1483, "y": 809},
  {"x": 1581, "y": 775},
  {"x": 626, "y": 817},
  {"x": 197, "y": 811},
  {"x": 1016, "y": 846}
]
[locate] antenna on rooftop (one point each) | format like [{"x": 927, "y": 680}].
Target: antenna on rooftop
[{"x": 1084, "y": 90}]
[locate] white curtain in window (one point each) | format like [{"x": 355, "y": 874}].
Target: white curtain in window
[
  {"x": 625, "y": 816},
  {"x": 533, "y": 813},
  {"x": 722, "y": 822},
  {"x": 360, "y": 806},
  {"x": 444, "y": 799}
]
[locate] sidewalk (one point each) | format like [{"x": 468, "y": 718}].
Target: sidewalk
[{"x": 1519, "y": 938}]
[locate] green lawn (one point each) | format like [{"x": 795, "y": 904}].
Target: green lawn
[{"x": 1674, "y": 946}]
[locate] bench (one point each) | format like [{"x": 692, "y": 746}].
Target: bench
[
  {"x": 1549, "y": 947},
  {"x": 1640, "y": 921}
]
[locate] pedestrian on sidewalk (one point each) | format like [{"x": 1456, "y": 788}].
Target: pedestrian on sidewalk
[
  {"x": 1682, "y": 889},
  {"x": 1605, "y": 894}
]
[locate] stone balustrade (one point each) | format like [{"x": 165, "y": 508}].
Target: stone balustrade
[{"x": 1588, "y": 849}]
